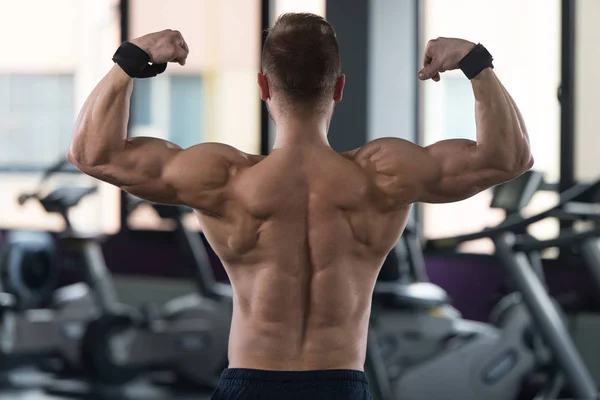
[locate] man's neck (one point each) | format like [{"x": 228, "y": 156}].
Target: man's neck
[{"x": 301, "y": 131}]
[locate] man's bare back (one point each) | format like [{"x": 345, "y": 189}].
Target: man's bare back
[
  {"x": 302, "y": 238},
  {"x": 303, "y": 231}
]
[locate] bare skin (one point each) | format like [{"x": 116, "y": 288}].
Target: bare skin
[{"x": 302, "y": 232}]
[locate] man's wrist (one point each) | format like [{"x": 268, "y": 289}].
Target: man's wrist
[
  {"x": 486, "y": 73},
  {"x": 119, "y": 76},
  {"x": 469, "y": 46},
  {"x": 484, "y": 84}
]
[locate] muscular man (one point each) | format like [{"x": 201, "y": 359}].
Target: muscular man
[{"x": 302, "y": 232}]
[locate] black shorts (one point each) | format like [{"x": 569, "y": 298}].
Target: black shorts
[{"x": 254, "y": 384}]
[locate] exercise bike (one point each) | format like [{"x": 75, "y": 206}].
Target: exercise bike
[
  {"x": 47, "y": 337},
  {"x": 415, "y": 351},
  {"x": 29, "y": 268},
  {"x": 187, "y": 335},
  {"x": 29, "y": 265},
  {"x": 36, "y": 335}
]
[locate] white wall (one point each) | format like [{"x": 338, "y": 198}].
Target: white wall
[
  {"x": 211, "y": 29},
  {"x": 39, "y": 35},
  {"x": 287, "y": 6}
]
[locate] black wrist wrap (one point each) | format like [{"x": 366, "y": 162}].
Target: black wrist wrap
[
  {"x": 136, "y": 62},
  {"x": 476, "y": 61}
]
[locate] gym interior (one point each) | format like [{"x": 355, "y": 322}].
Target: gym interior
[{"x": 103, "y": 295}]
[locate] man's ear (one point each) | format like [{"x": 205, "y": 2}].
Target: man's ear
[
  {"x": 339, "y": 88},
  {"x": 263, "y": 84}
]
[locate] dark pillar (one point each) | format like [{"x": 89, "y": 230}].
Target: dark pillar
[
  {"x": 567, "y": 96},
  {"x": 124, "y": 25},
  {"x": 265, "y": 127},
  {"x": 350, "y": 20},
  {"x": 567, "y": 100}
]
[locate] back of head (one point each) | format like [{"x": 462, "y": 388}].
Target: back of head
[{"x": 301, "y": 58}]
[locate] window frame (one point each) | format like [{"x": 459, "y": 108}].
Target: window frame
[{"x": 19, "y": 169}]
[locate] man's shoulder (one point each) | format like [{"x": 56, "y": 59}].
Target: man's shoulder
[
  {"x": 376, "y": 148},
  {"x": 224, "y": 153}
]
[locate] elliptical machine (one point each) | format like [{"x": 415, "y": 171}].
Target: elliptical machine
[{"x": 417, "y": 351}]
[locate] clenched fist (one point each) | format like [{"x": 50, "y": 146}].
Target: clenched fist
[
  {"x": 164, "y": 46},
  {"x": 443, "y": 54}
]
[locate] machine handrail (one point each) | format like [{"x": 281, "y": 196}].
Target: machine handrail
[
  {"x": 48, "y": 172},
  {"x": 565, "y": 238},
  {"x": 517, "y": 223}
]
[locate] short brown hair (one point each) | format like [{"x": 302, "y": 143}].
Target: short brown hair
[{"x": 301, "y": 57}]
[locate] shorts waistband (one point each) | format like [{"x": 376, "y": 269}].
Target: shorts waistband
[{"x": 294, "y": 376}]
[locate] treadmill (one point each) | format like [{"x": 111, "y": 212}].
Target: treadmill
[{"x": 519, "y": 255}]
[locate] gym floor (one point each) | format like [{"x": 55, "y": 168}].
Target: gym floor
[
  {"x": 40, "y": 395},
  {"x": 32, "y": 385}
]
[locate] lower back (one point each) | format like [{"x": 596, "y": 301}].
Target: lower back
[{"x": 301, "y": 322}]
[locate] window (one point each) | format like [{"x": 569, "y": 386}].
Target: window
[
  {"x": 170, "y": 107},
  {"x": 214, "y": 97},
  {"x": 63, "y": 49},
  {"x": 447, "y": 106},
  {"x": 36, "y": 122}
]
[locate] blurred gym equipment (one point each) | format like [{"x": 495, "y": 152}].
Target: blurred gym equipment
[
  {"x": 578, "y": 248},
  {"x": 29, "y": 266},
  {"x": 524, "y": 267},
  {"x": 188, "y": 335},
  {"x": 31, "y": 336},
  {"x": 578, "y": 204},
  {"x": 411, "y": 342},
  {"x": 544, "y": 311}
]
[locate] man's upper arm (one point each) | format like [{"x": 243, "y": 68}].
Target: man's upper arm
[
  {"x": 160, "y": 171},
  {"x": 444, "y": 172}
]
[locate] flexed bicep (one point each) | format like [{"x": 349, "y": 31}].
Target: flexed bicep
[
  {"x": 447, "y": 171},
  {"x": 461, "y": 169}
]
